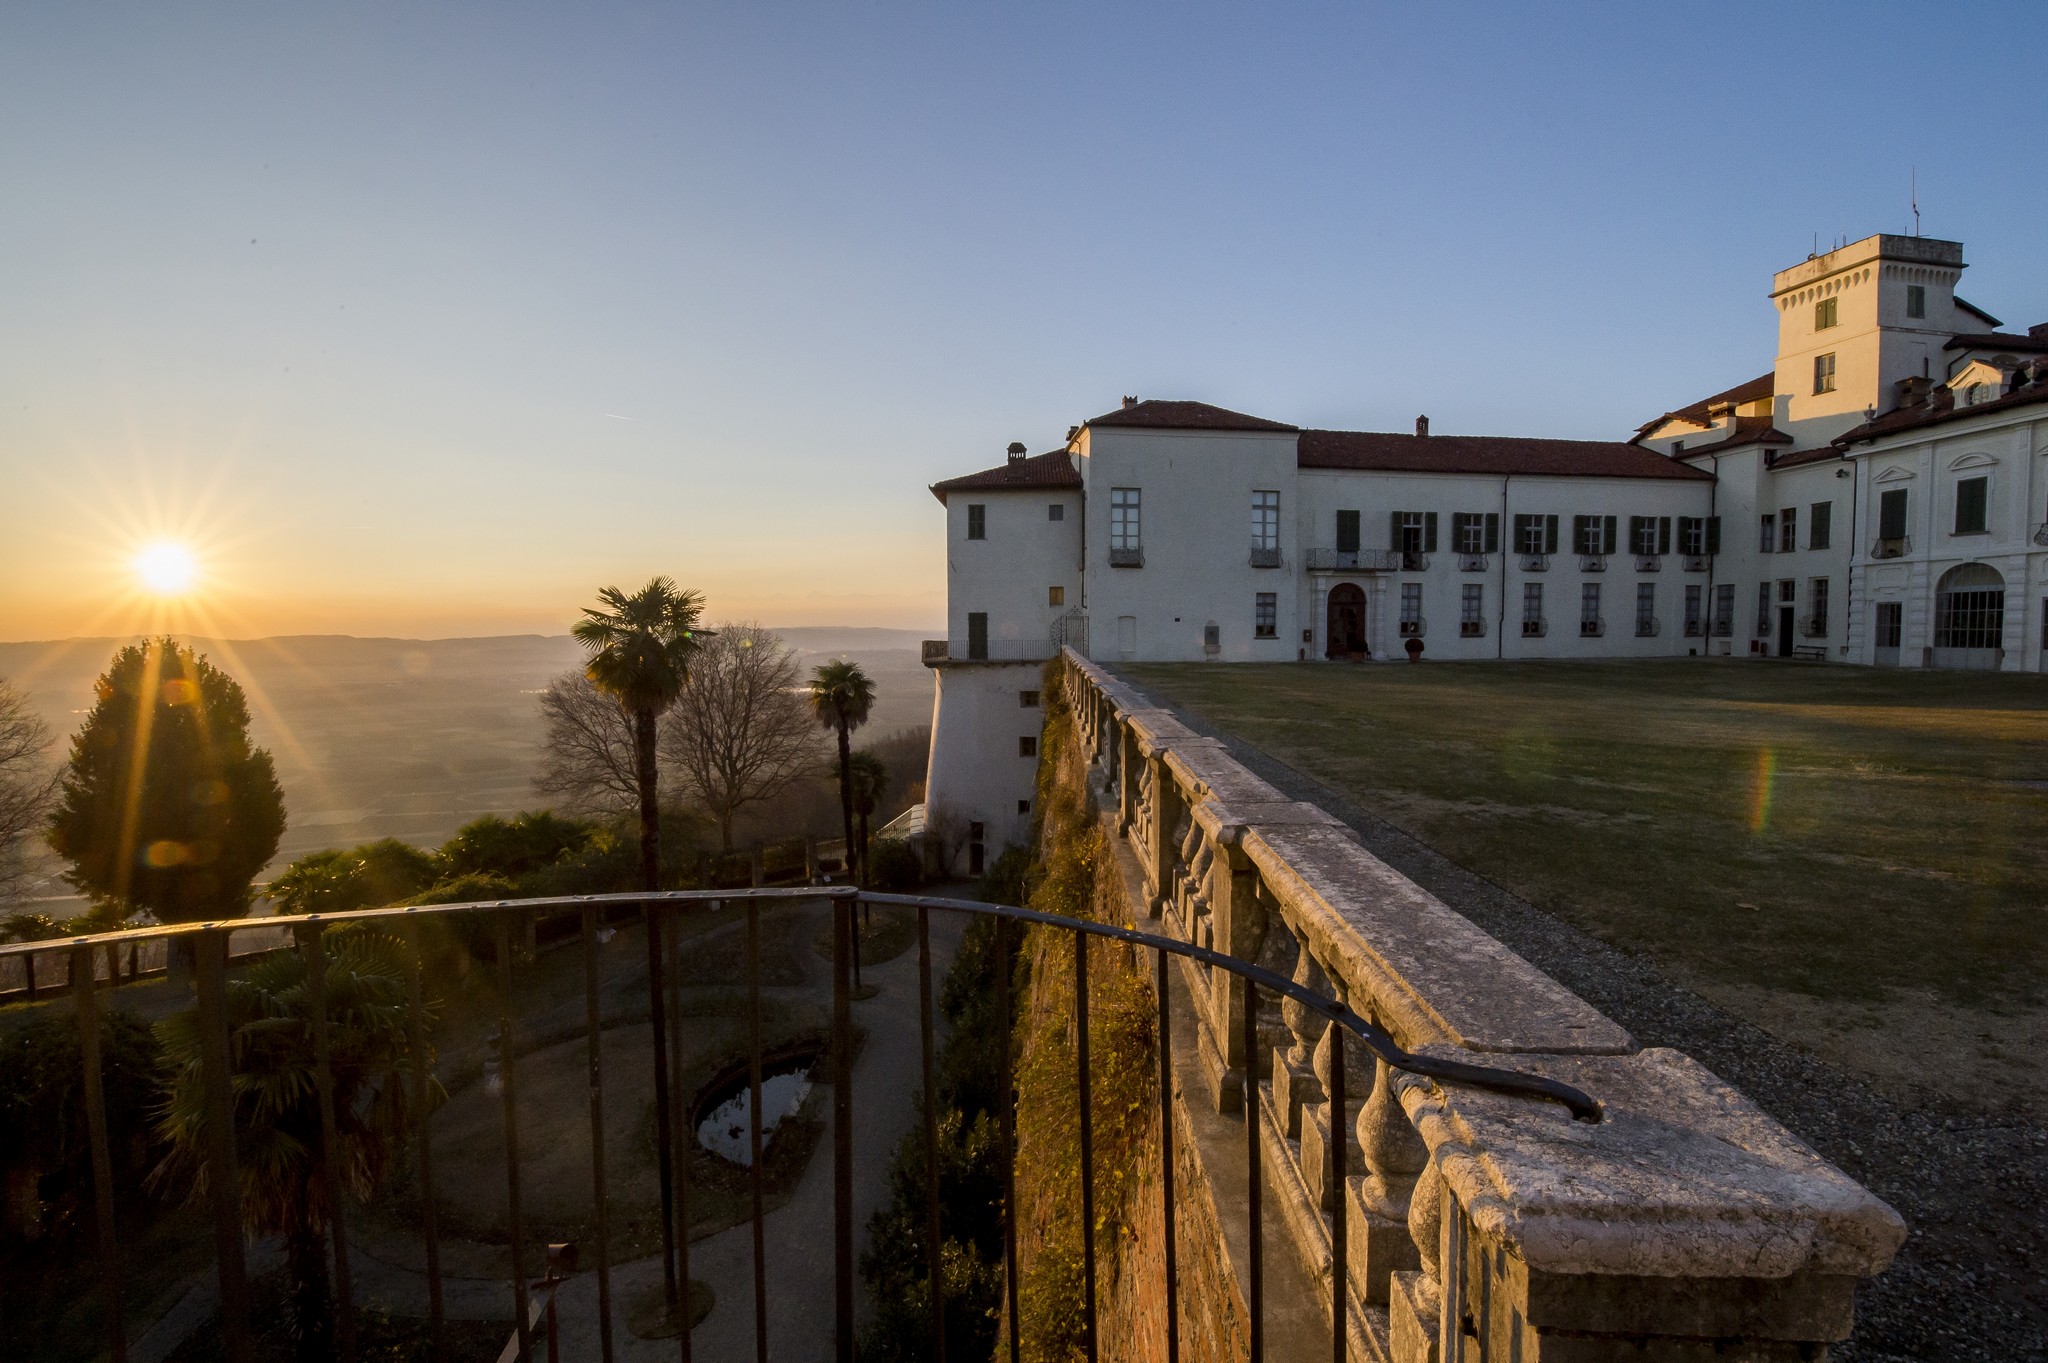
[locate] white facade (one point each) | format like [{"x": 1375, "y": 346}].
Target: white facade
[{"x": 1747, "y": 524}]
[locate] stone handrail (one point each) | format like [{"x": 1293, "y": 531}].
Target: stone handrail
[{"x": 1687, "y": 1224}]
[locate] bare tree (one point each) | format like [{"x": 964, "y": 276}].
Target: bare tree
[
  {"x": 741, "y": 731},
  {"x": 27, "y": 787},
  {"x": 587, "y": 755}
]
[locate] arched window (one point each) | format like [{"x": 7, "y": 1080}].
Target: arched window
[{"x": 1969, "y": 608}]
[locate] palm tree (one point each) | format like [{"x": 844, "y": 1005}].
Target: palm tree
[
  {"x": 278, "y": 1141},
  {"x": 870, "y": 783},
  {"x": 640, "y": 647},
  {"x": 841, "y": 696}
]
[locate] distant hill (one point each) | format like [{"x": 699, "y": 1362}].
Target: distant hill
[{"x": 411, "y": 738}]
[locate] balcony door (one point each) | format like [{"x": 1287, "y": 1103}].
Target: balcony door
[
  {"x": 1344, "y": 631},
  {"x": 1785, "y": 614}
]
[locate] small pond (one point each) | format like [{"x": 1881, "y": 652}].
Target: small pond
[{"x": 725, "y": 1113}]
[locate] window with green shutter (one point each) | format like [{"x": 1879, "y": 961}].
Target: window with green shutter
[
  {"x": 1972, "y": 496},
  {"x": 1347, "y": 532}
]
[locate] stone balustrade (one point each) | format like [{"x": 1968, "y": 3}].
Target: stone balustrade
[{"x": 1687, "y": 1224}]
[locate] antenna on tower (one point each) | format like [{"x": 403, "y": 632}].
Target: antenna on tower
[{"x": 1915, "y": 182}]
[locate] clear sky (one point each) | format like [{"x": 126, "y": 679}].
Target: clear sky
[{"x": 431, "y": 319}]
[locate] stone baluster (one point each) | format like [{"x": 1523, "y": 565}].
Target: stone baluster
[
  {"x": 1240, "y": 930},
  {"x": 1384, "y": 1197},
  {"x": 1126, "y": 781},
  {"x": 1163, "y": 814},
  {"x": 1295, "y": 1080},
  {"x": 1202, "y": 929},
  {"x": 1187, "y": 846}
]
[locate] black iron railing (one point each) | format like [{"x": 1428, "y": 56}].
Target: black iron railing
[{"x": 533, "y": 1303}]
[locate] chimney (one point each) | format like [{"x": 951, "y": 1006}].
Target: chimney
[
  {"x": 1422, "y": 428},
  {"x": 1130, "y": 401},
  {"x": 1911, "y": 391},
  {"x": 1015, "y": 468}
]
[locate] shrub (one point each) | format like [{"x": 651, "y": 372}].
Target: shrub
[
  {"x": 43, "y": 1140},
  {"x": 893, "y": 866}
]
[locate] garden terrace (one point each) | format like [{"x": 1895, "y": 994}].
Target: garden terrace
[{"x": 1365, "y": 1105}]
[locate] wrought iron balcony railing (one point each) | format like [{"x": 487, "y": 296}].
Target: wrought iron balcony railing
[
  {"x": 1897, "y": 547},
  {"x": 1414, "y": 561},
  {"x": 76, "y": 961},
  {"x": 1693, "y": 563},
  {"x": 1695, "y": 629},
  {"x": 936, "y": 650},
  {"x": 1592, "y": 629},
  {"x": 1265, "y": 558},
  {"x": 1592, "y": 563},
  {"x": 1133, "y": 557},
  {"x": 1535, "y": 563},
  {"x": 1472, "y": 563},
  {"x": 1533, "y": 629},
  {"x": 1648, "y": 626},
  {"x": 1814, "y": 627},
  {"x": 1649, "y": 563},
  {"x": 1412, "y": 629},
  {"x": 1471, "y": 629},
  {"x": 2041, "y": 534},
  {"x": 1353, "y": 560}
]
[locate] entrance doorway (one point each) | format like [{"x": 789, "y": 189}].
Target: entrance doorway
[
  {"x": 1891, "y": 619},
  {"x": 1784, "y": 631},
  {"x": 1969, "y": 618},
  {"x": 1345, "y": 627}
]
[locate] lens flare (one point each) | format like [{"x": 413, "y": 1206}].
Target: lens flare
[
  {"x": 165, "y": 568},
  {"x": 1761, "y": 790}
]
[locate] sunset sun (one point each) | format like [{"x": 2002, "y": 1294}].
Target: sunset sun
[{"x": 166, "y": 569}]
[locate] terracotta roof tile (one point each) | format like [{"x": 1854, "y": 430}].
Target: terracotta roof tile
[
  {"x": 1486, "y": 454},
  {"x": 1756, "y": 390},
  {"x": 1154, "y": 414},
  {"x": 1999, "y": 340},
  {"x": 1055, "y": 468},
  {"x": 1940, "y": 408},
  {"x": 1748, "y": 430},
  {"x": 1793, "y": 459}
]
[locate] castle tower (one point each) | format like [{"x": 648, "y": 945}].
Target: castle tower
[{"x": 1855, "y": 321}]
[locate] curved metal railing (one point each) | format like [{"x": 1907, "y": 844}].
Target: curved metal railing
[{"x": 211, "y": 960}]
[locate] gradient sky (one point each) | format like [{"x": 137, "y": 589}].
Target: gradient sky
[{"x": 429, "y": 320}]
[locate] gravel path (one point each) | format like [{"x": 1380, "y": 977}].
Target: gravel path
[{"x": 1972, "y": 1280}]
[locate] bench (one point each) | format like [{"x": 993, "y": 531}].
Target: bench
[{"x": 1813, "y": 653}]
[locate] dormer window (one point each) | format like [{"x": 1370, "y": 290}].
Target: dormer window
[{"x": 1824, "y": 314}]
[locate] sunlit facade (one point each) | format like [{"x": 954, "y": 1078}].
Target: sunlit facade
[{"x": 1879, "y": 496}]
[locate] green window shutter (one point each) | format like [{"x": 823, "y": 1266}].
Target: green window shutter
[
  {"x": 1970, "y": 505},
  {"x": 1347, "y": 532},
  {"x": 1550, "y": 534},
  {"x": 1713, "y": 534},
  {"x": 1394, "y": 538},
  {"x": 1891, "y": 515},
  {"x": 1607, "y": 535},
  {"x": 1429, "y": 532},
  {"x": 1492, "y": 532},
  {"x": 1663, "y": 534}
]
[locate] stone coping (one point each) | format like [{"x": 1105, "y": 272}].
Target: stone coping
[
  {"x": 1432, "y": 975},
  {"x": 1685, "y": 1177}
]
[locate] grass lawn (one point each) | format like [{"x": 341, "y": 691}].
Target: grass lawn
[{"x": 1858, "y": 837}]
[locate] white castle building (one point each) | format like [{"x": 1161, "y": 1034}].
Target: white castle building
[{"x": 1879, "y": 497}]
